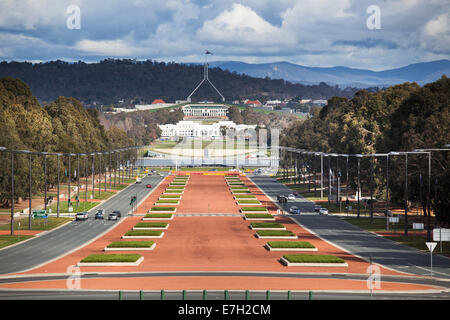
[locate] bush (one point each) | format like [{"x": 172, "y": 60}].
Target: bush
[{"x": 312, "y": 258}]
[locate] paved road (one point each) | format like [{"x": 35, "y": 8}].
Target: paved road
[
  {"x": 359, "y": 242},
  {"x": 53, "y": 244},
  {"x": 6, "y": 294}
]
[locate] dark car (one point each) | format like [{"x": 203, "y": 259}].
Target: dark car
[
  {"x": 118, "y": 213},
  {"x": 81, "y": 216},
  {"x": 112, "y": 216},
  {"x": 100, "y": 214}
]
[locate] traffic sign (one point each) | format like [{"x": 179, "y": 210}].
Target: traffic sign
[
  {"x": 39, "y": 214},
  {"x": 431, "y": 245},
  {"x": 417, "y": 226},
  {"x": 441, "y": 234}
]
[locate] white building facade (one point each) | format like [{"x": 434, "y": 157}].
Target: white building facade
[{"x": 188, "y": 128}]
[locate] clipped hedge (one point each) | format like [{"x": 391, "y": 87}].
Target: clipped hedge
[
  {"x": 262, "y": 209},
  {"x": 131, "y": 244},
  {"x": 275, "y": 233},
  {"x": 291, "y": 244},
  {"x": 134, "y": 233},
  {"x": 163, "y": 209},
  {"x": 312, "y": 258},
  {"x": 267, "y": 225},
  {"x": 158, "y": 215},
  {"x": 151, "y": 225},
  {"x": 113, "y": 257}
]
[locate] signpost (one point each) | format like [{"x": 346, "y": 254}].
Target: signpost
[
  {"x": 441, "y": 234},
  {"x": 431, "y": 246}
]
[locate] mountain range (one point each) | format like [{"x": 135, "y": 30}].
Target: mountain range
[{"x": 422, "y": 73}]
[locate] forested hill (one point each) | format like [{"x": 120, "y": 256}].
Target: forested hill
[{"x": 109, "y": 81}]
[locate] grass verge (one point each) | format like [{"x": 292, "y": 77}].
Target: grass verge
[
  {"x": 312, "y": 258},
  {"x": 111, "y": 258},
  {"x": 130, "y": 244},
  {"x": 290, "y": 244}
]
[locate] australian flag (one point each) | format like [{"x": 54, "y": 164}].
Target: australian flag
[{"x": 208, "y": 52}]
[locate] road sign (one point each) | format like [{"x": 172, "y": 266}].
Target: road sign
[
  {"x": 441, "y": 234},
  {"x": 39, "y": 214},
  {"x": 431, "y": 245},
  {"x": 417, "y": 226},
  {"x": 393, "y": 219}
]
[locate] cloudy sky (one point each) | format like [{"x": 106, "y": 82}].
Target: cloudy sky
[{"x": 318, "y": 33}]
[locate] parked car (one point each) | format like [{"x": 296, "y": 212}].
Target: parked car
[
  {"x": 81, "y": 216},
  {"x": 112, "y": 216},
  {"x": 317, "y": 209},
  {"x": 282, "y": 199},
  {"x": 138, "y": 181},
  {"x": 323, "y": 211},
  {"x": 148, "y": 185},
  {"x": 291, "y": 197},
  {"x": 294, "y": 210},
  {"x": 295, "y": 193},
  {"x": 100, "y": 214}
]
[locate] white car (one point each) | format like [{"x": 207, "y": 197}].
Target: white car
[
  {"x": 323, "y": 211},
  {"x": 294, "y": 210},
  {"x": 291, "y": 197}
]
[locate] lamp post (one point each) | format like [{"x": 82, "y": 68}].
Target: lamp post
[{"x": 359, "y": 156}]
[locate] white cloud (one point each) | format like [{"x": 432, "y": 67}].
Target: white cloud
[{"x": 241, "y": 26}]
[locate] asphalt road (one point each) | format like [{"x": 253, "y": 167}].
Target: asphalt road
[
  {"x": 56, "y": 243},
  {"x": 355, "y": 240}
]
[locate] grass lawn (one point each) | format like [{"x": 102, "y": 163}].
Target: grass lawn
[
  {"x": 158, "y": 215},
  {"x": 175, "y": 188},
  {"x": 102, "y": 196},
  {"x": 312, "y": 258},
  {"x": 290, "y": 244},
  {"x": 243, "y": 196},
  {"x": 7, "y": 240},
  {"x": 258, "y": 215},
  {"x": 102, "y": 186},
  {"x": 170, "y": 196},
  {"x": 379, "y": 224},
  {"x": 248, "y": 202},
  {"x": 166, "y": 201},
  {"x": 133, "y": 233},
  {"x": 151, "y": 225},
  {"x": 273, "y": 233},
  {"x": 174, "y": 191},
  {"x": 163, "y": 209},
  {"x": 84, "y": 206},
  {"x": 111, "y": 258},
  {"x": 418, "y": 242},
  {"x": 37, "y": 224},
  {"x": 267, "y": 225},
  {"x": 130, "y": 244},
  {"x": 262, "y": 209}
]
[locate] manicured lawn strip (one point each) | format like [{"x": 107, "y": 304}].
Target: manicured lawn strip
[
  {"x": 257, "y": 216},
  {"x": 243, "y": 196},
  {"x": 37, "y": 224},
  {"x": 239, "y": 188},
  {"x": 174, "y": 191},
  {"x": 266, "y": 225},
  {"x": 163, "y": 209},
  {"x": 7, "y": 240},
  {"x": 158, "y": 215},
  {"x": 262, "y": 209},
  {"x": 241, "y": 191},
  {"x": 166, "y": 201},
  {"x": 178, "y": 184},
  {"x": 170, "y": 196},
  {"x": 312, "y": 258},
  {"x": 174, "y": 188},
  {"x": 111, "y": 258},
  {"x": 273, "y": 233},
  {"x": 248, "y": 202},
  {"x": 290, "y": 244},
  {"x": 143, "y": 233},
  {"x": 131, "y": 244},
  {"x": 151, "y": 225}
]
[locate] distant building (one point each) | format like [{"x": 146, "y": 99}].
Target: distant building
[
  {"x": 320, "y": 102},
  {"x": 194, "y": 129},
  {"x": 253, "y": 103},
  {"x": 305, "y": 101},
  {"x": 158, "y": 101},
  {"x": 203, "y": 111}
]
